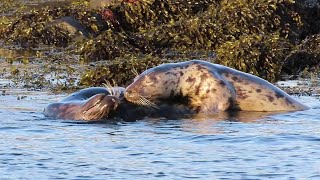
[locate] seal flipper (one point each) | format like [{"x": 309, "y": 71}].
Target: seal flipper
[
  {"x": 94, "y": 100},
  {"x": 99, "y": 106}
]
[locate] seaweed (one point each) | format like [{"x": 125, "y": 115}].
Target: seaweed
[
  {"x": 305, "y": 57},
  {"x": 257, "y": 54},
  {"x": 121, "y": 70}
]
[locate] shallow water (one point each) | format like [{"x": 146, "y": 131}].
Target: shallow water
[{"x": 247, "y": 146}]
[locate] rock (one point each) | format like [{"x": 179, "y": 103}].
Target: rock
[{"x": 73, "y": 26}]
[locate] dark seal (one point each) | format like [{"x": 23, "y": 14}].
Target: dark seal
[
  {"x": 208, "y": 88},
  {"x": 88, "y": 104}
]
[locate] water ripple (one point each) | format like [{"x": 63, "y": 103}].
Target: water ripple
[{"x": 281, "y": 146}]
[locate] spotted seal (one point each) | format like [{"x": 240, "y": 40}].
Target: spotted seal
[
  {"x": 88, "y": 104},
  {"x": 208, "y": 88}
]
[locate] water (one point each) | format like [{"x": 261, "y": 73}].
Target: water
[{"x": 282, "y": 146}]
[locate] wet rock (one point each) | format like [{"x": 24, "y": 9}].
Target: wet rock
[{"x": 72, "y": 26}]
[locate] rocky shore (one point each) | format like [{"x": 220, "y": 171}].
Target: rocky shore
[{"x": 109, "y": 39}]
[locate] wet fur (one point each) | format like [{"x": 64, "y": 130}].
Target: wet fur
[
  {"x": 207, "y": 88},
  {"x": 90, "y": 104}
]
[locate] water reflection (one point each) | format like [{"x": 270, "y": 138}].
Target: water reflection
[
  {"x": 213, "y": 124},
  {"x": 237, "y": 116}
]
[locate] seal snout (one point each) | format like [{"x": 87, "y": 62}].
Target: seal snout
[
  {"x": 129, "y": 95},
  {"x": 126, "y": 93}
]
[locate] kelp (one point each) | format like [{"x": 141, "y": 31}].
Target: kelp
[
  {"x": 111, "y": 44},
  {"x": 37, "y": 27},
  {"x": 121, "y": 70},
  {"x": 256, "y": 54},
  {"x": 305, "y": 57},
  {"x": 227, "y": 21},
  {"x": 147, "y": 14},
  {"x": 250, "y": 36},
  {"x": 132, "y": 23}
]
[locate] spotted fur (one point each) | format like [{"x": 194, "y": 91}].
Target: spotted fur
[{"x": 209, "y": 88}]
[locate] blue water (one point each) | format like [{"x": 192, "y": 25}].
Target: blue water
[{"x": 282, "y": 146}]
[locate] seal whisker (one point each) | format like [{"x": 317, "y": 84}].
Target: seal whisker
[
  {"x": 117, "y": 93},
  {"x": 99, "y": 114},
  {"x": 142, "y": 102},
  {"x": 139, "y": 102},
  {"x": 102, "y": 112},
  {"x": 113, "y": 89},
  {"x": 109, "y": 87},
  {"x": 95, "y": 116},
  {"x": 147, "y": 102},
  {"x": 92, "y": 106}
]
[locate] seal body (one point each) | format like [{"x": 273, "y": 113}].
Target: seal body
[
  {"x": 89, "y": 104},
  {"x": 206, "y": 88}
]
